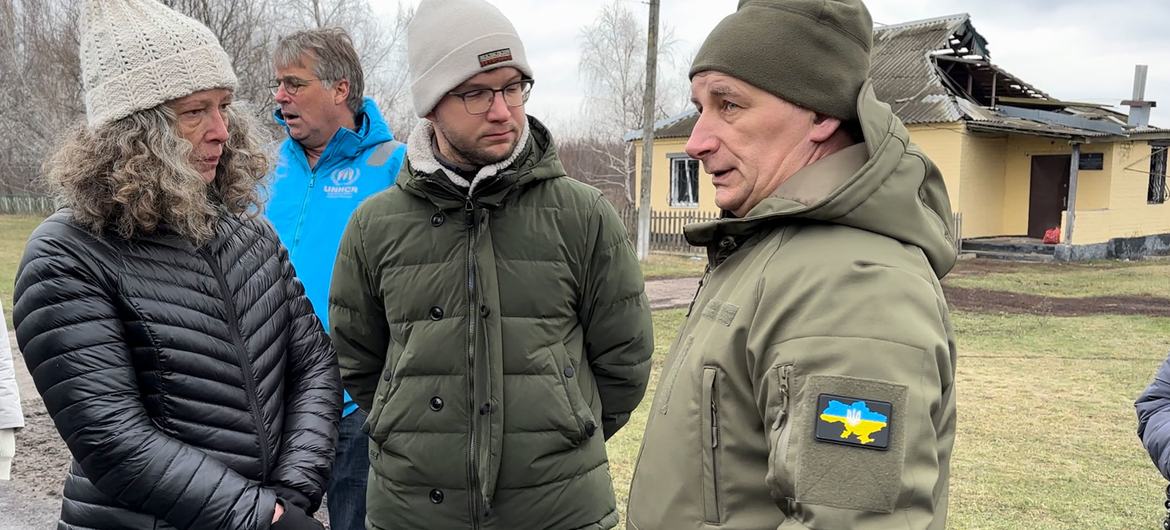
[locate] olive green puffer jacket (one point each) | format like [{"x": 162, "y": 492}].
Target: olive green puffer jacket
[{"x": 493, "y": 340}]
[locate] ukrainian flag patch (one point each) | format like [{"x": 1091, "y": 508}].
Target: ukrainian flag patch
[{"x": 854, "y": 421}]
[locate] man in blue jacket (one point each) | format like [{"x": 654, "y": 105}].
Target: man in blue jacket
[{"x": 339, "y": 151}]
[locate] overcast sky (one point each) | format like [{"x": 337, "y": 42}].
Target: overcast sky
[{"x": 1072, "y": 49}]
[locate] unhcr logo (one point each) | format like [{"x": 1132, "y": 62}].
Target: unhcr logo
[{"x": 343, "y": 183}]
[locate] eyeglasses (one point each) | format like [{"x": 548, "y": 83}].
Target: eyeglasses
[
  {"x": 480, "y": 100},
  {"x": 292, "y": 85}
]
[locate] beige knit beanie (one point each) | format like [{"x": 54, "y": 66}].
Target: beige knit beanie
[
  {"x": 450, "y": 41},
  {"x": 138, "y": 54}
]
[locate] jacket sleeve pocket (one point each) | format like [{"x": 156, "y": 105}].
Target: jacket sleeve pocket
[{"x": 847, "y": 461}]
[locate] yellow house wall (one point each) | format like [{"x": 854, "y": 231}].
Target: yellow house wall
[
  {"x": 660, "y": 178},
  {"x": 1126, "y": 212},
  {"x": 982, "y": 181},
  {"x": 988, "y": 180}
]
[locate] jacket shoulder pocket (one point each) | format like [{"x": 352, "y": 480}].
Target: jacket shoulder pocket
[{"x": 854, "y": 451}]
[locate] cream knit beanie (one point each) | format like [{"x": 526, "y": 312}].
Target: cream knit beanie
[
  {"x": 450, "y": 41},
  {"x": 138, "y": 54}
]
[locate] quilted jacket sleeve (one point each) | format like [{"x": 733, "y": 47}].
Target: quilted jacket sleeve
[
  {"x": 69, "y": 328},
  {"x": 314, "y": 402},
  {"x": 1153, "y": 412},
  {"x": 619, "y": 335},
  {"x": 359, "y": 330}
]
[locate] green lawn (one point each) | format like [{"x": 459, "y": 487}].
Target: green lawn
[
  {"x": 1045, "y": 421},
  {"x": 664, "y": 266},
  {"x": 14, "y": 231},
  {"x": 1105, "y": 278}
]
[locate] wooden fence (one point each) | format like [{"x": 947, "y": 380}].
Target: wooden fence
[
  {"x": 666, "y": 229},
  {"x": 26, "y": 205}
]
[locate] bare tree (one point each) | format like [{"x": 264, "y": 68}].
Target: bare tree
[
  {"x": 41, "y": 92},
  {"x": 613, "y": 66}
]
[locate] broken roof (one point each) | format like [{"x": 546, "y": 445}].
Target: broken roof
[{"x": 939, "y": 70}]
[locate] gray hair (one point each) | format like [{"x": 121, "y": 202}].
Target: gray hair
[
  {"x": 132, "y": 175},
  {"x": 336, "y": 59}
]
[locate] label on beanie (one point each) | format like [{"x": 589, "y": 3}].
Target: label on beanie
[{"x": 494, "y": 57}]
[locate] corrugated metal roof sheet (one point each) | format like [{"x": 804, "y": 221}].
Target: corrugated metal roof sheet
[{"x": 904, "y": 75}]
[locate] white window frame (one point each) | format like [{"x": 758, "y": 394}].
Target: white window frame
[{"x": 682, "y": 160}]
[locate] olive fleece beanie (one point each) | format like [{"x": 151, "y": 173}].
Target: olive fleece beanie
[{"x": 812, "y": 53}]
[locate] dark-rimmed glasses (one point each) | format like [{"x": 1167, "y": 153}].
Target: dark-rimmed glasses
[{"x": 480, "y": 100}]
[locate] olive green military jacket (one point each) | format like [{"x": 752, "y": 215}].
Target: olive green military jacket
[
  {"x": 496, "y": 341},
  {"x": 812, "y": 385}
]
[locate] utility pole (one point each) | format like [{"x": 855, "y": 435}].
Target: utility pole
[{"x": 643, "y": 246}]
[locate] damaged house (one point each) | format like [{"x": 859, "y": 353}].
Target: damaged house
[{"x": 1017, "y": 162}]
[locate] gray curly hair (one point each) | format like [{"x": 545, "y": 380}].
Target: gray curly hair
[{"x": 134, "y": 174}]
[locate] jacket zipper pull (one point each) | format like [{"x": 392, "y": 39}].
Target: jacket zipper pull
[
  {"x": 469, "y": 212},
  {"x": 714, "y": 425}
]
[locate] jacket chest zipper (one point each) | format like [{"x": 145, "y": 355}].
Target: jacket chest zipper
[
  {"x": 472, "y": 453},
  {"x": 712, "y": 511},
  {"x": 245, "y": 365},
  {"x": 304, "y": 207},
  {"x": 699, "y": 289}
]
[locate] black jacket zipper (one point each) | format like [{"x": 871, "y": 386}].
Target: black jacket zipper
[
  {"x": 472, "y": 455},
  {"x": 245, "y": 365}
]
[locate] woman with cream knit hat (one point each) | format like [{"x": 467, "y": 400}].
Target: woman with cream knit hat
[{"x": 158, "y": 315}]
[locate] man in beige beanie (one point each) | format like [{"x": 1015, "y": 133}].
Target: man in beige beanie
[
  {"x": 160, "y": 318},
  {"x": 812, "y": 384},
  {"x": 488, "y": 310}
]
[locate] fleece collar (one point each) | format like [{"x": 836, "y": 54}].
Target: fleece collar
[{"x": 420, "y": 152}]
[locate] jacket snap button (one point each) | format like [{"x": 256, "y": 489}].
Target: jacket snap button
[
  {"x": 590, "y": 428},
  {"x": 569, "y": 371},
  {"x": 437, "y": 219},
  {"x": 437, "y": 496},
  {"x": 387, "y": 375},
  {"x": 436, "y": 403},
  {"x": 484, "y": 311},
  {"x": 436, "y": 313},
  {"x": 485, "y": 409}
]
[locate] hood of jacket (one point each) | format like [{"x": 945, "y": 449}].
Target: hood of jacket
[
  {"x": 898, "y": 192},
  {"x": 535, "y": 161}
]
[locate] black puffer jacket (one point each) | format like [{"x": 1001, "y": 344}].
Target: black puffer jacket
[{"x": 193, "y": 386}]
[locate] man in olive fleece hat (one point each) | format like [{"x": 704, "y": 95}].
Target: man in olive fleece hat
[{"x": 812, "y": 384}]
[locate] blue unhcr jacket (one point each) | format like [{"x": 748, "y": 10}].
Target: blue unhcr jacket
[{"x": 310, "y": 207}]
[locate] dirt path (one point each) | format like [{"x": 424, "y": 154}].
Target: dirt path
[
  {"x": 983, "y": 301},
  {"x": 668, "y": 294},
  {"x": 32, "y": 499}
]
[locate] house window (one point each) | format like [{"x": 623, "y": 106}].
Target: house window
[
  {"x": 1156, "y": 194},
  {"x": 684, "y": 182}
]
